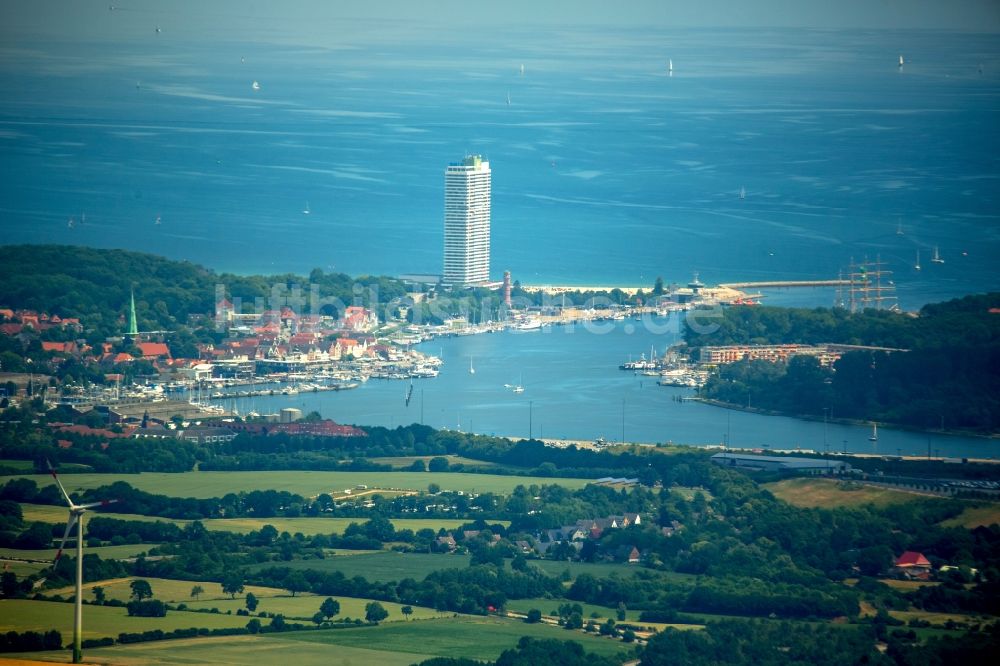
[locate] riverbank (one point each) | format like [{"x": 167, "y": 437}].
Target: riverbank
[{"x": 845, "y": 422}]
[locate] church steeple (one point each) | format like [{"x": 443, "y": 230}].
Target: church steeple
[{"x": 133, "y": 327}]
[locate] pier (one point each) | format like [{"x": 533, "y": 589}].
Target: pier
[{"x": 781, "y": 284}]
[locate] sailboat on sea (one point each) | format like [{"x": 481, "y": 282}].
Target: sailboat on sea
[
  {"x": 874, "y": 435},
  {"x": 508, "y": 98},
  {"x": 916, "y": 266},
  {"x": 899, "y": 229},
  {"x": 743, "y": 192},
  {"x": 519, "y": 387},
  {"x": 901, "y": 61},
  {"x": 306, "y": 210},
  {"x": 255, "y": 86},
  {"x": 670, "y": 67},
  {"x": 936, "y": 259},
  {"x": 472, "y": 370}
]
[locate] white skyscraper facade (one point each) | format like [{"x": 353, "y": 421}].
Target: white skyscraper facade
[{"x": 467, "y": 222}]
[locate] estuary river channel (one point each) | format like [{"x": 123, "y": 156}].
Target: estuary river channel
[{"x": 573, "y": 389}]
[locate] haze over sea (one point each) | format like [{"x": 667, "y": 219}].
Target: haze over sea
[{"x": 606, "y": 170}]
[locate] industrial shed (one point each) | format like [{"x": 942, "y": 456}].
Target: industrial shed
[{"x": 781, "y": 463}]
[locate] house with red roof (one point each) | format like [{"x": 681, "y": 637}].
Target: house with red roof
[
  {"x": 912, "y": 564},
  {"x": 358, "y": 319},
  {"x": 152, "y": 351}
]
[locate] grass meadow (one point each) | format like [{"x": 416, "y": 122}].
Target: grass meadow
[
  {"x": 167, "y": 590},
  {"x": 828, "y": 493},
  {"x": 976, "y": 516},
  {"x": 303, "y": 606},
  {"x": 379, "y": 566},
  {"x": 106, "y": 552},
  {"x": 99, "y": 621},
  {"x": 318, "y": 525},
  {"x": 473, "y": 637},
  {"x": 305, "y": 483},
  {"x": 404, "y": 462}
]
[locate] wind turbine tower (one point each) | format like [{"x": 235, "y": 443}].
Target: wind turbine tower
[{"x": 76, "y": 512}]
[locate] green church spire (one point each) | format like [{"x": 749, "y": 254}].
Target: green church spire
[{"x": 133, "y": 327}]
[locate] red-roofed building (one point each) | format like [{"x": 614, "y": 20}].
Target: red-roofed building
[
  {"x": 11, "y": 329},
  {"x": 61, "y": 347},
  {"x": 153, "y": 350},
  {"x": 325, "y": 428},
  {"x": 87, "y": 431},
  {"x": 359, "y": 319},
  {"x": 302, "y": 340},
  {"x": 912, "y": 564}
]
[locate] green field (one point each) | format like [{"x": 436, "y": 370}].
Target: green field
[
  {"x": 976, "y": 516},
  {"x": 302, "y": 607},
  {"x": 47, "y": 513},
  {"x": 28, "y": 465},
  {"x": 549, "y": 606},
  {"x": 23, "y": 569},
  {"x": 403, "y": 462},
  {"x": 56, "y": 514},
  {"x": 99, "y": 621},
  {"x": 392, "y": 566},
  {"x": 305, "y": 483},
  {"x": 242, "y": 650},
  {"x": 464, "y": 636},
  {"x": 326, "y": 525},
  {"x": 165, "y": 589},
  {"x": 827, "y": 493},
  {"x": 106, "y": 552},
  {"x": 599, "y": 569},
  {"x": 378, "y": 567},
  {"x": 239, "y": 651},
  {"x": 391, "y": 643}
]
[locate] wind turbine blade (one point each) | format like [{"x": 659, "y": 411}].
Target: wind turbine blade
[
  {"x": 65, "y": 495},
  {"x": 69, "y": 527},
  {"x": 96, "y": 504}
]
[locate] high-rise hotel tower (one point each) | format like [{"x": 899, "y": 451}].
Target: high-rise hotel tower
[{"x": 467, "y": 222}]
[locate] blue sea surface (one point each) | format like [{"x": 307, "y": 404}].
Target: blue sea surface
[{"x": 606, "y": 170}]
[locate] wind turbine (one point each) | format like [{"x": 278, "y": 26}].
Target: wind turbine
[{"x": 76, "y": 512}]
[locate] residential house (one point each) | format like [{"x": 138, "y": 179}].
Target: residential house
[
  {"x": 153, "y": 351},
  {"x": 206, "y": 435},
  {"x": 912, "y": 564}
]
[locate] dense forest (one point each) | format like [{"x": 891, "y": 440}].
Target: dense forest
[
  {"x": 948, "y": 379},
  {"x": 94, "y": 285}
]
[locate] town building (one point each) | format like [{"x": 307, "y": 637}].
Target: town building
[
  {"x": 467, "y": 222},
  {"x": 781, "y": 463},
  {"x": 912, "y": 564}
]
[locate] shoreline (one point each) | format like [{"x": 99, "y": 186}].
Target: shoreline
[
  {"x": 579, "y": 289},
  {"x": 851, "y": 422}
]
